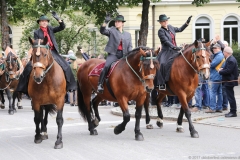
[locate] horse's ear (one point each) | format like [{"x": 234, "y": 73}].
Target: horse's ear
[
  {"x": 31, "y": 40},
  {"x": 196, "y": 44},
  {"x": 208, "y": 44},
  {"x": 142, "y": 52},
  {"x": 45, "y": 40},
  {"x": 157, "y": 51}
]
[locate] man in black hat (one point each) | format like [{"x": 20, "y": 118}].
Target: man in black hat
[
  {"x": 119, "y": 44},
  {"x": 169, "y": 50},
  {"x": 48, "y": 31}
]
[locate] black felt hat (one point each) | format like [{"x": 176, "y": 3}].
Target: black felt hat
[{"x": 163, "y": 17}]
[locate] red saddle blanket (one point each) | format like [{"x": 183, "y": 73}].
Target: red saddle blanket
[{"x": 98, "y": 69}]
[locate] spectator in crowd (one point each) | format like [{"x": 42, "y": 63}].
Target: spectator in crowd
[
  {"x": 224, "y": 93},
  {"x": 230, "y": 76},
  {"x": 215, "y": 77},
  {"x": 74, "y": 68},
  {"x": 202, "y": 101}
]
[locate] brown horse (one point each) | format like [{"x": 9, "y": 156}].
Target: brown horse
[
  {"x": 130, "y": 80},
  {"x": 183, "y": 81},
  {"x": 47, "y": 89},
  {"x": 9, "y": 81}
]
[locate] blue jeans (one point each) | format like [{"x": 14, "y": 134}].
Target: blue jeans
[
  {"x": 198, "y": 97},
  {"x": 216, "y": 91},
  {"x": 206, "y": 94},
  {"x": 225, "y": 98}
]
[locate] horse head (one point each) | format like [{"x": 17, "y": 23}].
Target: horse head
[
  {"x": 148, "y": 68},
  {"x": 42, "y": 60},
  {"x": 12, "y": 66},
  {"x": 201, "y": 56}
]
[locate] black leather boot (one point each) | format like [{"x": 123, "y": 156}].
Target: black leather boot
[{"x": 100, "y": 88}]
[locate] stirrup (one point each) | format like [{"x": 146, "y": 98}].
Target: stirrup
[
  {"x": 100, "y": 88},
  {"x": 162, "y": 89}
]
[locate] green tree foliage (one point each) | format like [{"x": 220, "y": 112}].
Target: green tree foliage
[{"x": 76, "y": 33}]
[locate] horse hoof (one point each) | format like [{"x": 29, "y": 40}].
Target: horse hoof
[
  {"x": 95, "y": 122},
  {"x": 15, "y": 111},
  {"x": 94, "y": 132},
  {"x": 180, "y": 130},
  {"x": 2, "y": 107},
  {"x": 37, "y": 141},
  {"x": 149, "y": 126},
  {"x": 44, "y": 137},
  {"x": 139, "y": 137},
  {"x": 58, "y": 146},
  {"x": 20, "y": 107},
  {"x": 117, "y": 130},
  {"x": 10, "y": 112},
  {"x": 160, "y": 125},
  {"x": 194, "y": 135}
]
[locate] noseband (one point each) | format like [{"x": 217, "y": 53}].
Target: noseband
[{"x": 39, "y": 64}]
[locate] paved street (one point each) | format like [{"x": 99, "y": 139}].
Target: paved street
[{"x": 17, "y": 135}]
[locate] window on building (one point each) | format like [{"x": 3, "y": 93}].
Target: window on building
[
  {"x": 230, "y": 30},
  {"x": 136, "y": 37},
  {"x": 203, "y": 28}
]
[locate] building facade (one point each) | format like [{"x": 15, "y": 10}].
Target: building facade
[{"x": 219, "y": 17}]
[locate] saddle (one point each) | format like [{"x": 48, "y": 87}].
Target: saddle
[{"x": 98, "y": 69}]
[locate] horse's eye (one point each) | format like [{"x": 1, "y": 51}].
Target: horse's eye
[
  {"x": 197, "y": 57},
  {"x": 45, "y": 55}
]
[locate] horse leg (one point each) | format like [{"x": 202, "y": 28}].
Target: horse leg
[
  {"x": 138, "y": 115},
  {"x": 95, "y": 103},
  {"x": 19, "y": 97},
  {"x": 37, "y": 120},
  {"x": 59, "y": 120},
  {"x": 14, "y": 96},
  {"x": 10, "y": 111},
  {"x": 146, "y": 108},
  {"x": 159, "y": 110},
  {"x": 2, "y": 100},
  {"x": 183, "y": 100},
  {"x": 126, "y": 117},
  {"x": 44, "y": 124},
  {"x": 180, "y": 118}
]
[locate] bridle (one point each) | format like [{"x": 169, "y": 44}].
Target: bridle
[
  {"x": 143, "y": 78},
  {"x": 39, "y": 64},
  {"x": 8, "y": 73},
  {"x": 194, "y": 50}
]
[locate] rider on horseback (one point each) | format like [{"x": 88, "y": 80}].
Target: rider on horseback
[
  {"x": 48, "y": 31},
  {"x": 119, "y": 45},
  {"x": 169, "y": 50}
]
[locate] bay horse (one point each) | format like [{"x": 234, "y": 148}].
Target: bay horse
[
  {"x": 194, "y": 60},
  {"x": 47, "y": 89},
  {"x": 131, "y": 79},
  {"x": 9, "y": 81}
]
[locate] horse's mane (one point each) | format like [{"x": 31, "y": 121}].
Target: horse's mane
[{"x": 135, "y": 50}]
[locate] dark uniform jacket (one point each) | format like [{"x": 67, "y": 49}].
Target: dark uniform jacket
[
  {"x": 38, "y": 34},
  {"x": 115, "y": 37},
  {"x": 230, "y": 72}
]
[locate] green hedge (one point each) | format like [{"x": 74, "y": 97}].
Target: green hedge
[{"x": 236, "y": 54}]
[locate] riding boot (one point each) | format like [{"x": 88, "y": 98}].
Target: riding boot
[{"x": 100, "y": 88}]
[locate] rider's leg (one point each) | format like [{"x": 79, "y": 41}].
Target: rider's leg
[
  {"x": 110, "y": 58},
  {"x": 23, "y": 79},
  {"x": 71, "y": 83}
]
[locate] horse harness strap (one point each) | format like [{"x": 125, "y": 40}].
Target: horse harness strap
[
  {"x": 109, "y": 88},
  {"x": 142, "y": 80},
  {"x": 188, "y": 62}
]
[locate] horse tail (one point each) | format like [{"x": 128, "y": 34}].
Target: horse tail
[{"x": 81, "y": 105}]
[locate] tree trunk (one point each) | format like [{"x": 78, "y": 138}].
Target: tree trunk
[
  {"x": 144, "y": 24},
  {"x": 4, "y": 25}
]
